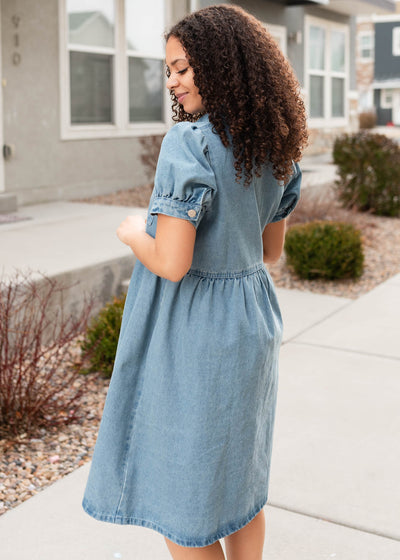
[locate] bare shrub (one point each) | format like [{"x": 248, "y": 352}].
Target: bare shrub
[
  {"x": 320, "y": 204},
  {"x": 36, "y": 338},
  {"x": 151, "y": 149},
  {"x": 367, "y": 119}
]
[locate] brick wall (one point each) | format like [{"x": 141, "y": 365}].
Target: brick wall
[{"x": 364, "y": 68}]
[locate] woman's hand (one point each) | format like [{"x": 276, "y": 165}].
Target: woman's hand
[{"x": 130, "y": 228}]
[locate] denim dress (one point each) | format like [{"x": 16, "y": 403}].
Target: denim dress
[{"x": 184, "y": 445}]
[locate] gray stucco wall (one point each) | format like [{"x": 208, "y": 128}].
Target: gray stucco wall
[
  {"x": 267, "y": 12},
  {"x": 387, "y": 66},
  {"x": 294, "y": 21},
  {"x": 45, "y": 167}
]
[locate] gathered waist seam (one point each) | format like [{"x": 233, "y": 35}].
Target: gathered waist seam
[{"x": 228, "y": 274}]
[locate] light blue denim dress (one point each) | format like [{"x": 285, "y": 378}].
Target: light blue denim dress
[{"x": 184, "y": 445}]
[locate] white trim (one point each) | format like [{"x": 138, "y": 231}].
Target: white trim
[
  {"x": 387, "y": 84},
  {"x": 2, "y": 175},
  {"x": 90, "y": 49},
  {"x": 92, "y": 133},
  {"x": 386, "y": 18},
  {"x": 121, "y": 127},
  {"x": 396, "y": 41},
  {"x": 120, "y": 72},
  {"x": 327, "y": 73}
]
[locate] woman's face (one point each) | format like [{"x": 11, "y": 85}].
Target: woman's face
[{"x": 180, "y": 79}]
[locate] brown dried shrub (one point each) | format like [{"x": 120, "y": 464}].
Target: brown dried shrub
[
  {"x": 151, "y": 149},
  {"x": 36, "y": 338},
  {"x": 321, "y": 204},
  {"x": 367, "y": 119}
]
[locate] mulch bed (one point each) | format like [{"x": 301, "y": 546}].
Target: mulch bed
[{"x": 29, "y": 464}]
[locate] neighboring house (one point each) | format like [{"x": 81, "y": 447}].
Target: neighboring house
[
  {"x": 365, "y": 56},
  {"x": 386, "y": 83},
  {"x": 378, "y": 66},
  {"x": 84, "y": 80}
]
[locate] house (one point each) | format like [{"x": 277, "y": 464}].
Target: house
[
  {"x": 378, "y": 66},
  {"x": 84, "y": 80}
]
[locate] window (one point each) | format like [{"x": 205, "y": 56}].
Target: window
[
  {"x": 366, "y": 45},
  {"x": 91, "y": 48},
  {"x": 112, "y": 70},
  {"x": 386, "y": 98},
  {"x": 396, "y": 41},
  {"x": 145, "y": 48},
  {"x": 326, "y": 74}
]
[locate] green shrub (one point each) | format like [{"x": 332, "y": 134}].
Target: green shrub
[
  {"x": 101, "y": 339},
  {"x": 369, "y": 171},
  {"x": 329, "y": 250}
]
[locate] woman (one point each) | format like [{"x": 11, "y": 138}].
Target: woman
[{"x": 185, "y": 441}]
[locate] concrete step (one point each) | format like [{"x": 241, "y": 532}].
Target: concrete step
[
  {"x": 75, "y": 243},
  {"x": 8, "y": 203}
]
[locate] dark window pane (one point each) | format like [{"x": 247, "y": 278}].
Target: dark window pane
[
  {"x": 317, "y": 48},
  {"x": 338, "y": 51},
  {"x": 145, "y": 90},
  {"x": 316, "y": 96},
  {"x": 337, "y": 97},
  {"x": 91, "y": 88}
]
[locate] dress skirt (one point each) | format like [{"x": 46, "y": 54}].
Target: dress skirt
[{"x": 184, "y": 445}]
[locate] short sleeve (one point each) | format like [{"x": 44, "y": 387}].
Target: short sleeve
[
  {"x": 291, "y": 195},
  {"x": 184, "y": 184}
]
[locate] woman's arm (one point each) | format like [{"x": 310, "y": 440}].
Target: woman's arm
[
  {"x": 170, "y": 253},
  {"x": 273, "y": 240}
]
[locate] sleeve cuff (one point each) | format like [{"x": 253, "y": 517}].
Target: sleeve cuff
[
  {"x": 176, "y": 208},
  {"x": 284, "y": 212}
]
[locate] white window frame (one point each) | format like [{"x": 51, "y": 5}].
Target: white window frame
[
  {"x": 121, "y": 126},
  {"x": 327, "y": 120},
  {"x": 396, "y": 41},
  {"x": 385, "y": 104},
  {"x": 362, "y": 34}
]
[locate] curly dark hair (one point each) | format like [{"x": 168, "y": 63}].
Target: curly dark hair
[{"x": 247, "y": 87}]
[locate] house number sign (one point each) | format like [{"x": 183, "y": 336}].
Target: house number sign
[{"x": 16, "y": 57}]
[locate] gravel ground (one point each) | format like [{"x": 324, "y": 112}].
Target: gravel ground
[{"x": 28, "y": 465}]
